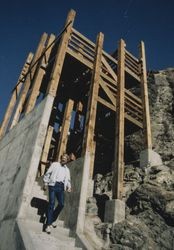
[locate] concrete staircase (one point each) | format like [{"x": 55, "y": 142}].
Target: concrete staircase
[{"x": 59, "y": 239}]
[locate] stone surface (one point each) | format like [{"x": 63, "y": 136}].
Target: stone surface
[
  {"x": 149, "y": 220},
  {"x": 114, "y": 211},
  {"x": 149, "y": 158}
]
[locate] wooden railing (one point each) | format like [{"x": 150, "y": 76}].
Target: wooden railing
[{"x": 84, "y": 50}]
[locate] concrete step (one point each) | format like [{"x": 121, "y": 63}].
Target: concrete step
[
  {"x": 59, "y": 230},
  {"x": 48, "y": 242},
  {"x": 58, "y": 235},
  {"x": 39, "y": 195},
  {"x": 39, "y": 216}
]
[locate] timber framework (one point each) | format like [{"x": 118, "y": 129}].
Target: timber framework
[{"x": 95, "y": 102}]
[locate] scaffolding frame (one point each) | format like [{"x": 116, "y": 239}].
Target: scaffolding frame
[{"x": 85, "y": 82}]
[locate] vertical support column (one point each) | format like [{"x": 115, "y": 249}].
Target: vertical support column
[
  {"x": 14, "y": 96},
  {"x": 60, "y": 56},
  {"x": 115, "y": 208},
  {"x": 145, "y": 101},
  {"x": 65, "y": 128},
  {"x": 28, "y": 80},
  {"x": 45, "y": 151},
  {"x": 88, "y": 143},
  {"x": 39, "y": 76},
  {"x": 119, "y": 142}
]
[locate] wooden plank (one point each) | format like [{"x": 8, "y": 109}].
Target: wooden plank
[
  {"x": 128, "y": 93},
  {"x": 80, "y": 42},
  {"x": 85, "y": 39},
  {"x": 27, "y": 83},
  {"x": 145, "y": 100},
  {"x": 45, "y": 151},
  {"x": 92, "y": 158},
  {"x": 60, "y": 56},
  {"x": 111, "y": 87},
  {"x": 128, "y": 117},
  {"x": 132, "y": 67},
  {"x": 113, "y": 74},
  {"x": 39, "y": 77},
  {"x": 14, "y": 96},
  {"x": 130, "y": 72},
  {"x": 133, "y": 120},
  {"x": 79, "y": 50},
  {"x": 65, "y": 129},
  {"x": 132, "y": 56},
  {"x": 134, "y": 113},
  {"x": 108, "y": 92},
  {"x": 113, "y": 60},
  {"x": 108, "y": 78},
  {"x": 107, "y": 104},
  {"x": 80, "y": 58},
  {"x": 119, "y": 140},
  {"x": 88, "y": 139}
]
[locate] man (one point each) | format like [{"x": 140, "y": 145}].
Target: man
[{"x": 57, "y": 178}]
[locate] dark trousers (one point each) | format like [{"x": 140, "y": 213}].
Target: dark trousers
[{"x": 58, "y": 192}]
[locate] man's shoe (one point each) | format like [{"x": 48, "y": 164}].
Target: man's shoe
[
  {"x": 48, "y": 229},
  {"x": 54, "y": 224}
]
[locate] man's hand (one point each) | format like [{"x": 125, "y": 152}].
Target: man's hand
[
  {"x": 45, "y": 187},
  {"x": 68, "y": 190}
]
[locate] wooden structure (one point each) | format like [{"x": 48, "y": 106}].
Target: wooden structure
[{"x": 98, "y": 98}]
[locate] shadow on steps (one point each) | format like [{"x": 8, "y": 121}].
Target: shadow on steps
[{"x": 41, "y": 206}]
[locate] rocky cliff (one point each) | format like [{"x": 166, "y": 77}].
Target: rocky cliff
[{"x": 149, "y": 194}]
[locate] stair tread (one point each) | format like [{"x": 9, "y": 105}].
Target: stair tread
[
  {"x": 44, "y": 241},
  {"x": 59, "y": 230},
  {"x": 59, "y": 238}
]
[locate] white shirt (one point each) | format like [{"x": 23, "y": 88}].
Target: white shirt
[{"x": 57, "y": 173}]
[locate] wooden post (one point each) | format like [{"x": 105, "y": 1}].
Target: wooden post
[
  {"x": 65, "y": 129},
  {"x": 145, "y": 100},
  {"x": 60, "y": 56},
  {"x": 45, "y": 151},
  {"x": 88, "y": 140},
  {"x": 38, "y": 77},
  {"x": 28, "y": 80},
  {"x": 119, "y": 142},
  {"x": 14, "y": 96}
]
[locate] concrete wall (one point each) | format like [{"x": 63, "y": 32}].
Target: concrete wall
[
  {"x": 20, "y": 152},
  {"x": 70, "y": 211},
  {"x": 75, "y": 202}
]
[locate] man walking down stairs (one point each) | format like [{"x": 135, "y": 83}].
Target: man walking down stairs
[{"x": 38, "y": 239}]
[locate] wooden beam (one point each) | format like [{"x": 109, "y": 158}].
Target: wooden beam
[
  {"x": 45, "y": 151},
  {"x": 65, "y": 129},
  {"x": 112, "y": 73},
  {"x": 39, "y": 77},
  {"x": 60, "y": 56},
  {"x": 120, "y": 123},
  {"x": 107, "y": 104},
  {"x": 88, "y": 140},
  {"x": 28, "y": 80},
  {"x": 108, "y": 92},
  {"x": 85, "y": 39},
  {"x": 14, "y": 97},
  {"x": 128, "y": 117},
  {"x": 80, "y": 58},
  {"x": 145, "y": 100}
]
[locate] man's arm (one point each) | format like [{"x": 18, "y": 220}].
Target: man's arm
[
  {"x": 68, "y": 180},
  {"x": 46, "y": 177}
]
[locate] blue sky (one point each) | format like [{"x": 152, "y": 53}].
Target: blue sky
[{"x": 23, "y": 22}]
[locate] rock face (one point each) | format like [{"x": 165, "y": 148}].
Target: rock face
[
  {"x": 162, "y": 110},
  {"x": 149, "y": 193},
  {"x": 149, "y": 197},
  {"x": 161, "y": 92}
]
